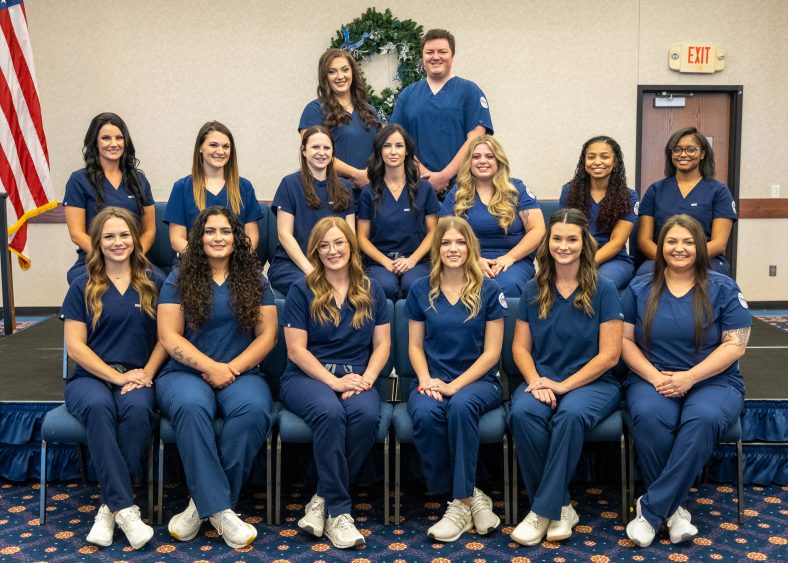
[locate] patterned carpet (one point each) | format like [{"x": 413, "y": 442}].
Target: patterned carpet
[
  {"x": 23, "y": 322},
  {"x": 599, "y": 537},
  {"x": 775, "y": 318}
]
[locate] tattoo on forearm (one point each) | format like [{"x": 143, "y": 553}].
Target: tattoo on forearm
[
  {"x": 525, "y": 215},
  {"x": 178, "y": 354},
  {"x": 737, "y": 338}
]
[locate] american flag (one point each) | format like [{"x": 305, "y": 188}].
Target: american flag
[{"x": 24, "y": 160}]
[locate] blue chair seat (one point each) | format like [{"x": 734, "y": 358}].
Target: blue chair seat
[
  {"x": 733, "y": 433},
  {"x": 60, "y": 426},
  {"x": 293, "y": 429},
  {"x": 609, "y": 430},
  {"x": 492, "y": 425}
]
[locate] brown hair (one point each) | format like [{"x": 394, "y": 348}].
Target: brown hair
[
  {"x": 337, "y": 193},
  {"x": 333, "y": 112},
  {"x": 231, "y": 178},
  {"x": 438, "y": 34}
]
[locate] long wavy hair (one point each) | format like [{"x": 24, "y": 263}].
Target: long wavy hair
[
  {"x": 98, "y": 281},
  {"x": 333, "y": 112},
  {"x": 615, "y": 205},
  {"x": 471, "y": 295},
  {"x": 376, "y": 170},
  {"x": 128, "y": 161},
  {"x": 503, "y": 203},
  {"x": 707, "y": 162},
  {"x": 195, "y": 281},
  {"x": 231, "y": 177},
  {"x": 702, "y": 303},
  {"x": 323, "y": 309},
  {"x": 337, "y": 193},
  {"x": 586, "y": 275}
]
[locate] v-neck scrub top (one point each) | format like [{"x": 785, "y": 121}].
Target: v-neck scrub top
[{"x": 182, "y": 210}]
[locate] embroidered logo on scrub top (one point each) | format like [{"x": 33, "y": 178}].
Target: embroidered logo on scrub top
[
  {"x": 636, "y": 208},
  {"x": 742, "y": 301},
  {"x": 530, "y": 193},
  {"x": 733, "y": 205},
  {"x": 502, "y": 300},
  {"x": 483, "y": 102}
]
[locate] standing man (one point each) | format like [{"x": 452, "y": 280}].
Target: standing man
[{"x": 441, "y": 112}]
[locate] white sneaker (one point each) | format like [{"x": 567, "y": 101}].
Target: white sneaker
[
  {"x": 455, "y": 522},
  {"x": 680, "y": 527},
  {"x": 484, "y": 519},
  {"x": 137, "y": 532},
  {"x": 315, "y": 516},
  {"x": 562, "y": 529},
  {"x": 236, "y": 532},
  {"x": 103, "y": 527},
  {"x": 185, "y": 525},
  {"x": 639, "y": 530},
  {"x": 342, "y": 532},
  {"x": 531, "y": 530}
]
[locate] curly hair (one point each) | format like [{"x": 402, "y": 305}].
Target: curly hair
[
  {"x": 337, "y": 192},
  {"x": 128, "y": 161},
  {"x": 195, "y": 281},
  {"x": 376, "y": 169},
  {"x": 334, "y": 114},
  {"x": 616, "y": 204}
]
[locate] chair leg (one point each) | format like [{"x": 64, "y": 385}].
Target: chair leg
[
  {"x": 160, "y": 504},
  {"x": 278, "y": 479},
  {"x": 386, "y": 484},
  {"x": 740, "y": 477},
  {"x": 268, "y": 492},
  {"x": 397, "y": 520},
  {"x": 630, "y": 476},
  {"x": 624, "y": 505},
  {"x": 515, "y": 483},
  {"x": 506, "y": 485},
  {"x": 42, "y": 491},
  {"x": 151, "y": 452},
  {"x": 83, "y": 463}
]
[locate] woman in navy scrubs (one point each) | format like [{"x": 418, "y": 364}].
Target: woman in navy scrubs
[
  {"x": 110, "y": 179},
  {"x": 301, "y": 200},
  {"x": 566, "y": 341},
  {"x": 338, "y": 338},
  {"x": 110, "y": 328},
  {"x": 214, "y": 181},
  {"x": 397, "y": 214},
  {"x": 455, "y": 337},
  {"x": 599, "y": 190},
  {"x": 689, "y": 188},
  {"x": 341, "y": 106},
  {"x": 502, "y": 212},
  {"x": 685, "y": 330},
  {"x": 217, "y": 320}
]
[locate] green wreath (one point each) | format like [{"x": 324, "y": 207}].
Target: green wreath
[{"x": 377, "y": 33}]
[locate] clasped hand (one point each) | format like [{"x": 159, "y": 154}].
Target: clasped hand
[
  {"x": 545, "y": 390},
  {"x": 436, "y": 388},
  {"x": 221, "y": 375},
  {"x": 352, "y": 384},
  {"x": 134, "y": 379},
  {"x": 674, "y": 384}
]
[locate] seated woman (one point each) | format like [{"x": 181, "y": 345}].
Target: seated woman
[
  {"x": 685, "y": 330},
  {"x": 110, "y": 327},
  {"x": 599, "y": 190},
  {"x": 301, "y": 200},
  {"x": 338, "y": 338},
  {"x": 689, "y": 188},
  {"x": 566, "y": 341},
  {"x": 502, "y": 212},
  {"x": 217, "y": 319},
  {"x": 214, "y": 181},
  {"x": 110, "y": 179},
  {"x": 397, "y": 214},
  {"x": 342, "y": 107},
  {"x": 455, "y": 337}
]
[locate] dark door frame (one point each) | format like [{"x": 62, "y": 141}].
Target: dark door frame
[{"x": 736, "y": 93}]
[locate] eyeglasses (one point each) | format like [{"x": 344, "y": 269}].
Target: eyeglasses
[
  {"x": 689, "y": 151},
  {"x": 325, "y": 247}
]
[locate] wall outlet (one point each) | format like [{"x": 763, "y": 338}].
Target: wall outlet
[
  {"x": 772, "y": 270},
  {"x": 775, "y": 190}
]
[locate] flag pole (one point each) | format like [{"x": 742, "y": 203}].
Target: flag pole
[{"x": 9, "y": 319}]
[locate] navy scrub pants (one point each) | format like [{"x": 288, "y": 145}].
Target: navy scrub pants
[
  {"x": 282, "y": 274},
  {"x": 513, "y": 280},
  {"x": 675, "y": 438},
  {"x": 397, "y": 287},
  {"x": 447, "y": 432},
  {"x": 119, "y": 431},
  {"x": 549, "y": 442},
  {"x": 216, "y": 467},
  {"x": 618, "y": 270}
]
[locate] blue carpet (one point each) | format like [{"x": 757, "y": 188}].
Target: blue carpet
[{"x": 599, "y": 537}]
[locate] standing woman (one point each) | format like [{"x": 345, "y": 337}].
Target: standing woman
[
  {"x": 599, "y": 190},
  {"x": 685, "y": 330},
  {"x": 301, "y": 200},
  {"x": 455, "y": 336},
  {"x": 217, "y": 319},
  {"x": 110, "y": 327},
  {"x": 341, "y": 106},
  {"x": 566, "y": 341},
  {"x": 338, "y": 338},
  {"x": 502, "y": 212},
  {"x": 110, "y": 179},
  {"x": 397, "y": 214},
  {"x": 214, "y": 181},
  {"x": 689, "y": 188}
]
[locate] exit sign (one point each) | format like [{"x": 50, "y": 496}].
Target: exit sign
[{"x": 696, "y": 57}]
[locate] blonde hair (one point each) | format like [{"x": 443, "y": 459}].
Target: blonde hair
[
  {"x": 98, "y": 281},
  {"x": 232, "y": 179},
  {"x": 471, "y": 294},
  {"x": 503, "y": 204},
  {"x": 359, "y": 292}
]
